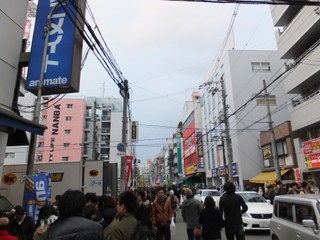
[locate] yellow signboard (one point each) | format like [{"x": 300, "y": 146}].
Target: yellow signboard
[{"x": 9, "y": 179}]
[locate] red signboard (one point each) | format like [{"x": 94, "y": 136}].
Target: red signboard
[
  {"x": 129, "y": 160},
  {"x": 297, "y": 175},
  {"x": 311, "y": 150}
]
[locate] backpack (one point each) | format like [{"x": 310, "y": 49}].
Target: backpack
[
  {"x": 142, "y": 232},
  {"x": 173, "y": 203}
]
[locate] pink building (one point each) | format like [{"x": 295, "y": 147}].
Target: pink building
[{"x": 64, "y": 137}]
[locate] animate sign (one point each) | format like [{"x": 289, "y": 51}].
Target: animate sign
[{"x": 63, "y": 60}]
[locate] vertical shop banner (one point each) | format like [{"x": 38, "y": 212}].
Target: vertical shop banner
[
  {"x": 63, "y": 61},
  {"x": 200, "y": 149},
  {"x": 37, "y": 193},
  {"x": 129, "y": 160},
  {"x": 297, "y": 175},
  {"x": 311, "y": 151},
  {"x": 179, "y": 154}
]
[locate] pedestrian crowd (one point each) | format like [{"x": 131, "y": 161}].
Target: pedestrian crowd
[
  {"x": 281, "y": 189},
  {"x": 142, "y": 214}
]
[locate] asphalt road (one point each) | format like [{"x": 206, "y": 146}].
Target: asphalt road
[{"x": 181, "y": 232}]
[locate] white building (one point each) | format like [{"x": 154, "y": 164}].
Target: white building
[
  {"x": 242, "y": 73},
  {"x": 298, "y": 39},
  {"x": 12, "y": 126}
]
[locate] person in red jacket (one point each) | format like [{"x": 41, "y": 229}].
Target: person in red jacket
[{"x": 4, "y": 234}]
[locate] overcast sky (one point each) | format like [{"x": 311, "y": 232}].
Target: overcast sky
[{"x": 165, "y": 49}]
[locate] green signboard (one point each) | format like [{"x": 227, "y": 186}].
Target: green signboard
[{"x": 179, "y": 154}]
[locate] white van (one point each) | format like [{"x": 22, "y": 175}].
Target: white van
[{"x": 295, "y": 217}]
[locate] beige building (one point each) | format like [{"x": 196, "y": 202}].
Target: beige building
[{"x": 298, "y": 36}]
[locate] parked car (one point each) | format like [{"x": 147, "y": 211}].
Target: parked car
[
  {"x": 202, "y": 193},
  {"x": 296, "y": 217},
  {"x": 259, "y": 211}
]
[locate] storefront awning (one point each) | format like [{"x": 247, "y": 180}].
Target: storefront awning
[
  {"x": 186, "y": 178},
  {"x": 13, "y": 120},
  {"x": 267, "y": 177}
]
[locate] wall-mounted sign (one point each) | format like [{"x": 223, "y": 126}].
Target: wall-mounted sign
[
  {"x": 94, "y": 173},
  {"x": 311, "y": 150},
  {"x": 96, "y": 183},
  {"x": 9, "y": 178},
  {"x": 63, "y": 61},
  {"x": 266, "y": 152},
  {"x": 57, "y": 176},
  {"x": 134, "y": 131}
]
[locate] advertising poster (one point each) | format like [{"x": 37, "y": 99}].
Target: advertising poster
[{"x": 311, "y": 151}]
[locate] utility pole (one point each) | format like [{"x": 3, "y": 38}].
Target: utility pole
[
  {"x": 124, "y": 92},
  {"x": 36, "y": 116},
  {"x": 227, "y": 130},
  {"x": 267, "y": 100}
]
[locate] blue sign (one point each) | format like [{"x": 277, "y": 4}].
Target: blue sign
[
  {"x": 63, "y": 57},
  {"x": 121, "y": 147},
  {"x": 37, "y": 193}
]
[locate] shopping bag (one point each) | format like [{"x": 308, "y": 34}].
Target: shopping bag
[{"x": 172, "y": 227}]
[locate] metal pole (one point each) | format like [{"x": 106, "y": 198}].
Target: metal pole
[
  {"x": 272, "y": 135},
  {"x": 227, "y": 130},
  {"x": 36, "y": 116},
  {"x": 125, "y": 95}
]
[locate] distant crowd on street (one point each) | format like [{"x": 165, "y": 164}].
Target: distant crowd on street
[
  {"x": 279, "y": 188},
  {"x": 140, "y": 214}
]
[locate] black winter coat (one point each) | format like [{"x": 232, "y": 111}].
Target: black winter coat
[
  {"x": 108, "y": 214},
  {"x": 74, "y": 228},
  {"x": 212, "y": 222},
  {"x": 25, "y": 230},
  {"x": 233, "y": 206}
]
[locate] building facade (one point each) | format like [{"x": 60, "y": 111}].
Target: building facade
[
  {"x": 193, "y": 162},
  {"x": 237, "y": 76},
  {"x": 12, "y": 125},
  {"x": 297, "y": 39},
  {"x": 64, "y": 140}
]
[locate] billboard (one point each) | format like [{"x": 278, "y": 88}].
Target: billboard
[
  {"x": 179, "y": 154},
  {"x": 63, "y": 60},
  {"x": 311, "y": 151}
]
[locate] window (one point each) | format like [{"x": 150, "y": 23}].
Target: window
[
  {"x": 68, "y": 118},
  {"x": 44, "y": 116},
  {"x": 69, "y": 105},
  {"x": 10, "y": 155},
  {"x": 39, "y": 158},
  {"x": 305, "y": 212},
  {"x": 40, "y": 144},
  {"x": 66, "y": 145},
  {"x": 67, "y": 131},
  {"x": 260, "y": 66},
  {"x": 285, "y": 211},
  {"x": 282, "y": 148},
  {"x": 265, "y": 67},
  {"x": 65, "y": 159}
]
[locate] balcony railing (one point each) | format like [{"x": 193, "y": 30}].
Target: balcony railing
[{"x": 298, "y": 102}]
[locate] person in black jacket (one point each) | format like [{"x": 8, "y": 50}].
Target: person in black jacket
[
  {"x": 70, "y": 224},
  {"x": 211, "y": 220},
  {"x": 22, "y": 225},
  {"x": 233, "y": 206},
  {"x": 107, "y": 208}
]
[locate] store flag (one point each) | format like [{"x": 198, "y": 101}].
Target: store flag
[
  {"x": 37, "y": 193},
  {"x": 129, "y": 160}
]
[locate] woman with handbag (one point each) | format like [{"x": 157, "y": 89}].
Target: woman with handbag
[{"x": 211, "y": 220}]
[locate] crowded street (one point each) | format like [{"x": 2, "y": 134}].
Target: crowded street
[{"x": 160, "y": 119}]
